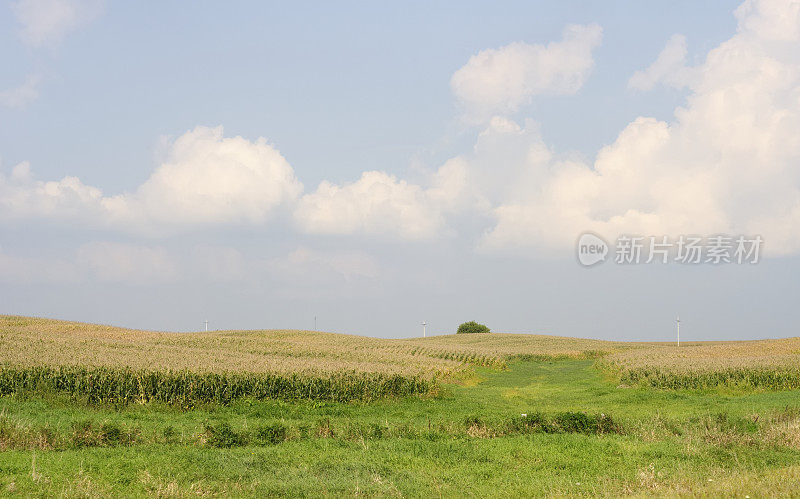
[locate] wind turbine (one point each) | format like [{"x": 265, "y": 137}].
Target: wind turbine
[
  {"x": 678, "y": 325},
  {"x": 206, "y": 323},
  {"x": 424, "y": 334}
]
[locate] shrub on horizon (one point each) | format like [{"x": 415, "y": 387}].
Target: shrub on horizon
[{"x": 472, "y": 327}]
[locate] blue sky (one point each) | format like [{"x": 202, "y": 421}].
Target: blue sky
[
  {"x": 478, "y": 189},
  {"x": 339, "y": 89}
]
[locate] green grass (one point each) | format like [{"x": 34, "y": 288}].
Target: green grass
[
  {"x": 516, "y": 466},
  {"x": 462, "y": 442}
]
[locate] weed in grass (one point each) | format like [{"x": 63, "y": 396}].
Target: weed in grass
[{"x": 271, "y": 434}]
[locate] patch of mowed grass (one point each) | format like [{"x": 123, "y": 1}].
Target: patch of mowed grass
[{"x": 575, "y": 385}]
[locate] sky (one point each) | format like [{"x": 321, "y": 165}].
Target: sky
[{"x": 376, "y": 165}]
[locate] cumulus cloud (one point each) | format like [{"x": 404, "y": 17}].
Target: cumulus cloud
[
  {"x": 777, "y": 20},
  {"x": 500, "y": 81},
  {"x": 382, "y": 204},
  {"x": 22, "y": 196},
  {"x": 206, "y": 179},
  {"x": 47, "y": 22},
  {"x": 377, "y": 203},
  {"x": 210, "y": 179},
  {"x": 495, "y": 171},
  {"x": 669, "y": 68},
  {"x": 22, "y": 95},
  {"x": 728, "y": 162}
]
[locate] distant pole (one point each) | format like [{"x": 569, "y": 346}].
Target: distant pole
[
  {"x": 206, "y": 322},
  {"x": 424, "y": 333},
  {"x": 678, "y": 324},
  {"x": 315, "y": 323}
]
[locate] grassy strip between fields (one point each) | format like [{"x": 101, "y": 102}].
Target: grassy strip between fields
[
  {"x": 186, "y": 388},
  {"x": 87, "y": 433}
]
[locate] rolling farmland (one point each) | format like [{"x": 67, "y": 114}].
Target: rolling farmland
[
  {"x": 91, "y": 410},
  {"x": 108, "y": 364}
]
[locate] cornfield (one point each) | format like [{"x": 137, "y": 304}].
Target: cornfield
[
  {"x": 767, "y": 364},
  {"x": 774, "y": 379},
  {"x": 186, "y": 388},
  {"x": 115, "y": 365},
  {"x": 496, "y": 350}
]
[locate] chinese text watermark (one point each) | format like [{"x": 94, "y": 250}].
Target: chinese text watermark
[{"x": 718, "y": 249}]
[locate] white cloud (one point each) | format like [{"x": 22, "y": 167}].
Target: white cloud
[
  {"x": 210, "y": 179},
  {"x": 773, "y": 20},
  {"x": 47, "y": 22},
  {"x": 206, "y": 179},
  {"x": 729, "y": 162},
  {"x": 21, "y": 196},
  {"x": 669, "y": 68},
  {"x": 633, "y": 187},
  {"x": 22, "y": 95},
  {"x": 498, "y": 168},
  {"x": 125, "y": 263},
  {"x": 500, "y": 81},
  {"x": 377, "y": 203}
]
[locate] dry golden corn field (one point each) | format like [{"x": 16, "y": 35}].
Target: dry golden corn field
[
  {"x": 769, "y": 364},
  {"x": 113, "y": 364},
  {"x": 29, "y": 341}
]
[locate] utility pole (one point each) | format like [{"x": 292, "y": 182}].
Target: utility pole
[
  {"x": 424, "y": 333},
  {"x": 678, "y": 324},
  {"x": 206, "y": 322}
]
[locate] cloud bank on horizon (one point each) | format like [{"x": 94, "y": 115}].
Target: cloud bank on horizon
[{"x": 728, "y": 162}]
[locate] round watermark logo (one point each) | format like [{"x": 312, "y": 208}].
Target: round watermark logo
[{"x": 591, "y": 249}]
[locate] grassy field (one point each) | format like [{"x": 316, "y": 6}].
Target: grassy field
[{"x": 506, "y": 415}]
